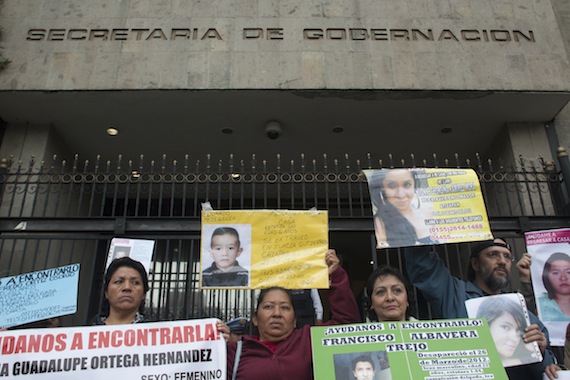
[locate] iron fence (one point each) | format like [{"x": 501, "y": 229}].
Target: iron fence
[{"x": 57, "y": 213}]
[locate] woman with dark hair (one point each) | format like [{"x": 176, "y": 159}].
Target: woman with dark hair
[
  {"x": 389, "y": 295},
  {"x": 280, "y": 351},
  {"x": 555, "y": 303},
  {"x": 399, "y": 215},
  {"x": 126, "y": 284},
  {"x": 507, "y": 323}
]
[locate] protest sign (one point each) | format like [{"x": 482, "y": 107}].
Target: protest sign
[
  {"x": 137, "y": 249},
  {"x": 507, "y": 317},
  {"x": 550, "y": 273},
  {"x": 427, "y": 206},
  {"x": 266, "y": 248},
  {"x": 182, "y": 350},
  {"x": 34, "y": 296},
  {"x": 427, "y": 350}
]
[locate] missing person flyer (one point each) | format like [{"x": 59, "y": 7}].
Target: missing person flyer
[
  {"x": 427, "y": 350},
  {"x": 181, "y": 350}
]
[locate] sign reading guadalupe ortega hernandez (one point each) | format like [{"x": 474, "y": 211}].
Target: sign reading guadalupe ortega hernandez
[
  {"x": 427, "y": 350},
  {"x": 277, "y": 247},
  {"x": 180, "y": 350}
]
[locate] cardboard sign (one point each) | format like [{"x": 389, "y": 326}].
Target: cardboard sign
[
  {"x": 262, "y": 248},
  {"x": 434, "y": 350},
  {"x": 427, "y": 206},
  {"x": 34, "y": 296}
]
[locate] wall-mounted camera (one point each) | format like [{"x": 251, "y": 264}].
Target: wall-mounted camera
[{"x": 273, "y": 130}]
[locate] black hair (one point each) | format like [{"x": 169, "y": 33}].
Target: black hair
[
  {"x": 399, "y": 230},
  {"x": 546, "y": 271},
  {"x": 362, "y": 359},
  {"x": 225, "y": 231},
  {"x": 382, "y": 271},
  {"x": 265, "y": 291},
  {"x": 113, "y": 267},
  {"x": 493, "y": 307}
]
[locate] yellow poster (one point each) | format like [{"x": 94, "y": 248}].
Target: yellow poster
[
  {"x": 255, "y": 249},
  {"x": 427, "y": 206}
]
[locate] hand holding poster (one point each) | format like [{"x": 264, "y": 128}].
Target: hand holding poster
[
  {"x": 34, "y": 296},
  {"x": 507, "y": 317},
  {"x": 181, "y": 350},
  {"x": 263, "y": 248},
  {"x": 427, "y": 206},
  {"x": 550, "y": 273},
  {"x": 443, "y": 349}
]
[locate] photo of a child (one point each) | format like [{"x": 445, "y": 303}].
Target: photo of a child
[{"x": 224, "y": 248}]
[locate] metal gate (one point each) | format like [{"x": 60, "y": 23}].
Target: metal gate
[{"x": 58, "y": 213}]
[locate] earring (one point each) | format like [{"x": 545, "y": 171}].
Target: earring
[
  {"x": 382, "y": 197},
  {"x": 418, "y": 202}
]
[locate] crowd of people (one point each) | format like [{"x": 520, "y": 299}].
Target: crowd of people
[{"x": 275, "y": 347}]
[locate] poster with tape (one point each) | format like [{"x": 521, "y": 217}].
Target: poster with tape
[
  {"x": 434, "y": 350},
  {"x": 181, "y": 350},
  {"x": 34, "y": 296},
  {"x": 256, "y": 249},
  {"x": 137, "y": 249},
  {"x": 427, "y": 206},
  {"x": 550, "y": 273}
]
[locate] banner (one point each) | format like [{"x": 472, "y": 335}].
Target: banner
[
  {"x": 34, "y": 296},
  {"x": 256, "y": 249},
  {"x": 427, "y": 206},
  {"x": 507, "y": 317},
  {"x": 182, "y": 350},
  {"x": 137, "y": 249},
  {"x": 550, "y": 274},
  {"x": 427, "y": 350}
]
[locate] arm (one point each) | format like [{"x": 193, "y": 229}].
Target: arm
[
  {"x": 317, "y": 305},
  {"x": 445, "y": 293},
  {"x": 523, "y": 266},
  {"x": 341, "y": 298}
]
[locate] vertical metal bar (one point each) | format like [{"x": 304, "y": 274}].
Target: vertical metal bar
[
  {"x": 265, "y": 175},
  {"x": 303, "y": 184},
  {"x": 150, "y": 186},
  {"x": 173, "y": 183},
  {"x": 161, "y": 185},
  {"x": 292, "y": 185},
  {"x": 349, "y": 186},
  {"x": 326, "y": 182},
  {"x": 231, "y": 182},
  {"x": 93, "y": 187},
  {"x": 337, "y": 188},
  {"x": 140, "y": 178},
  {"x": 70, "y": 194},
  {"x": 219, "y": 186},
  {"x": 279, "y": 181},
  {"x": 196, "y": 188},
  {"x": 184, "y": 186}
]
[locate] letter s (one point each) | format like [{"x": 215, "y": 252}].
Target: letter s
[{"x": 36, "y": 35}]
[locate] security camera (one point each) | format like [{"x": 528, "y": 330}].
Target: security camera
[{"x": 273, "y": 130}]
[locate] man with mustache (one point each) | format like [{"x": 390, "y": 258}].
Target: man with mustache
[{"x": 488, "y": 273}]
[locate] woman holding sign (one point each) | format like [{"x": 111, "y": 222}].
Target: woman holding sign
[
  {"x": 281, "y": 351},
  {"x": 126, "y": 284},
  {"x": 399, "y": 218}
]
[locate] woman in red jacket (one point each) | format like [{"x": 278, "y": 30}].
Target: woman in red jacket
[{"x": 281, "y": 351}]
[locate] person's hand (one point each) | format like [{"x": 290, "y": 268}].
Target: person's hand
[
  {"x": 332, "y": 260},
  {"x": 224, "y": 329},
  {"x": 551, "y": 370},
  {"x": 533, "y": 334},
  {"x": 523, "y": 266}
]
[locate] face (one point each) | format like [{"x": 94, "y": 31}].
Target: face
[
  {"x": 126, "y": 290},
  {"x": 224, "y": 250},
  {"x": 363, "y": 371},
  {"x": 494, "y": 267},
  {"x": 559, "y": 276},
  {"x": 506, "y": 333},
  {"x": 275, "y": 317},
  {"x": 389, "y": 299},
  {"x": 398, "y": 187}
]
